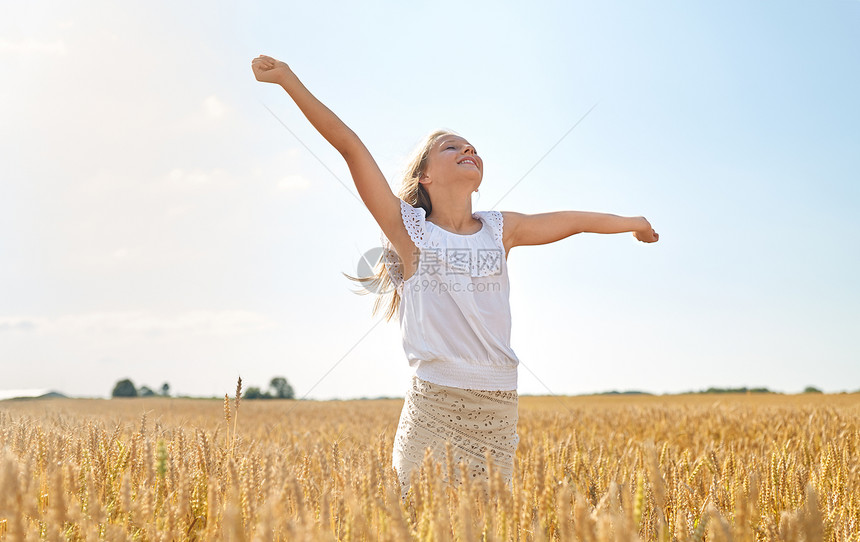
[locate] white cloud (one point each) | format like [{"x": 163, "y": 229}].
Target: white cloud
[
  {"x": 176, "y": 211},
  {"x": 293, "y": 183},
  {"x": 17, "y": 324},
  {"x": 194, "y": 322},
  {"x": 214, "y": 107},
  {"x": 31, "y": 46},
  {"x": 193, "y": 178},
  {"x": 182, "y": 179},
  {"x": 122, "y": 254}
]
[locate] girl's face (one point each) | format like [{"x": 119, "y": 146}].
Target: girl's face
[{"x": 453, "y": 159}]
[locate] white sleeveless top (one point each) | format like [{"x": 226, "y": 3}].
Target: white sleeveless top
[{"x": 455, "y": 310}]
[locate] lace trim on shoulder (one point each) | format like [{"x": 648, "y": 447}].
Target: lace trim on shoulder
[
  {"x": 480, "y": 263},
  {"x": 497, "y": 222},
  {"x": 391, "y": 261},
  {"x": 413, "y": 219}
]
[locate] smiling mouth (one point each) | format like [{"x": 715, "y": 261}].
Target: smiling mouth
[{"x": 469, "y": 161}]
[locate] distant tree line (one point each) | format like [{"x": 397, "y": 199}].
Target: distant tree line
[
  {"x": 126, "y": 388},
  {"x": 736, "y": 390},
  {"x": 279, "y": 388},
  {"x": 807, "y": 389}
]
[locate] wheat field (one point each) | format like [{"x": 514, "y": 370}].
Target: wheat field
[{"x": 696, "y": 467}]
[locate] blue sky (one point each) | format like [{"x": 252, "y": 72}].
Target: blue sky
[{"x": 158, "y": 223}]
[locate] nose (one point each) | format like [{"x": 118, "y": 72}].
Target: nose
[{"x": 468, "y": 148}]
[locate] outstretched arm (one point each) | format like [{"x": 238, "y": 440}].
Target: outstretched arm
[
  {"x": 369, "y": 180},
  {"x": 543, "y": 228},
  {"x": 269, "y": 70}
]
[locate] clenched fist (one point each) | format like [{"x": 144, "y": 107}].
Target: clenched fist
[
  {"x": 646, "y": 234},
  {"x": 269, "y": 70}
]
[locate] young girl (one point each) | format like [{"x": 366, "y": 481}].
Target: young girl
[{"x": 445, "y": 268}]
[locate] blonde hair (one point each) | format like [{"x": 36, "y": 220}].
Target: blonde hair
[{"x": 413, "y": 193}]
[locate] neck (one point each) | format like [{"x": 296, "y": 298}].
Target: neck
[{"x": 453, "y": 213}]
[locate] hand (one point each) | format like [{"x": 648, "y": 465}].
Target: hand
[
  {"x": 646, "y": 233},
  {"x": 269, "y": 70}
]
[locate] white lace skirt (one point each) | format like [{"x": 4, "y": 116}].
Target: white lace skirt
[{"x": 474, "y": 421}]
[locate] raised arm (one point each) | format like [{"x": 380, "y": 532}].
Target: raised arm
[
  {"x": 369, "y": 180},
  {"x": 540, "y": 229}
]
